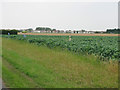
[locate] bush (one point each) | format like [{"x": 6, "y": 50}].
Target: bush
[
  {"x": 13, "y": 32},
  {"x": 24, "y": 31},
  {"x": 5, "y": 32},
  {"x": 115, "y": 31}
]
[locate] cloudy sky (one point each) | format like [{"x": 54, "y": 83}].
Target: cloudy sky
[{"x": 94, "y": 15}]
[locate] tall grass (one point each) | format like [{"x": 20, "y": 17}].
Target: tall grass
[{"x": 27, "y": 65}]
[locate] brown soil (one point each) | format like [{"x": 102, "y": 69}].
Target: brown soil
[{"x": 65, "y": 34}]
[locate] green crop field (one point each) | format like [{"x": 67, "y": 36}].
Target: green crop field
[
  {"x": 105, "y": 47},
  {"x": 55, "y": 62}
]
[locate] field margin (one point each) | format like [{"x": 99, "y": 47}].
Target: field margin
[{"x": 67, "y": 34}]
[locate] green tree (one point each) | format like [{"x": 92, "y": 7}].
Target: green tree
[{"x": 30, "y": 30}]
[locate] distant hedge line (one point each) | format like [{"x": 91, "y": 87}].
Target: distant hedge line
[
  {"x": 12, "y": 32},
  {"x": 116, "y": 31}
]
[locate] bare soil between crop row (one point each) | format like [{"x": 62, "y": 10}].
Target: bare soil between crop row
[{"x": 65, "y": 34}]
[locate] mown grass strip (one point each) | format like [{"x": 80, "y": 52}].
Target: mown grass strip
[
  {"x": 43, "y": 76},
  {"x": 56, "y": 68},
  {"x": 14, "y": 79}
]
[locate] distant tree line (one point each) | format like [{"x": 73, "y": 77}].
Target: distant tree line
[
  {"x": 49, "y": 30},
  {"x": 115, "y": 31},
  {"x": 6, "y": 31},
  {"x": 45, "y": 29}
]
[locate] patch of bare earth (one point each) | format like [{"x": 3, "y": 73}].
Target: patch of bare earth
[{"x": 65, "y": 34}]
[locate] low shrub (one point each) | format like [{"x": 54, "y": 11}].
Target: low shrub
[{"x": 11, "y": 32}]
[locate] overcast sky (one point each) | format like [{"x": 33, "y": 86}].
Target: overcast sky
[{"x": 60, "y": 15}]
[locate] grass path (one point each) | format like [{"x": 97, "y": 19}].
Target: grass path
[{"x": 27, "y": 65}]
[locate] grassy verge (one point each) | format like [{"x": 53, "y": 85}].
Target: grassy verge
[{"x": 26, "y": 65}]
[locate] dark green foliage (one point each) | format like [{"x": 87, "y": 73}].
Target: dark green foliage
[
  {"x": 97, "y": 32},
  {"x": 4, "y": 32},
  {"x": 116, "y": 31},
  {"x": 43, "y": 28},
  {"x": 104, "y": 47},
  {"x": 12, "y": 32},
  {"x": 30, "y": 30}
]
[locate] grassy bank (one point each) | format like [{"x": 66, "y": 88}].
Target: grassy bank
[{"x": 27, "y": 65}]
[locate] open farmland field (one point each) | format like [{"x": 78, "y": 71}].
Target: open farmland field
[
  {"x": 56, "y": 62},
  {"x": 65, "y": 34},
  {"x": 105, "y": 47}
]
